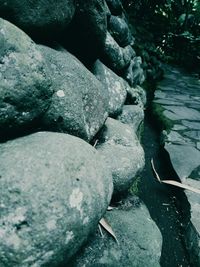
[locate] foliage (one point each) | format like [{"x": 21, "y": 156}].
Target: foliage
[{"x": 171, "y": 26}]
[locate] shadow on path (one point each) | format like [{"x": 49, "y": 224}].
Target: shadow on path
[{"x": 162, "y": 200}]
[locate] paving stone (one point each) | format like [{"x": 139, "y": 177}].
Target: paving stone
[
  {"x": 179, "y": 113},
  {"x": 191, "y": 124},
  {"x": 193, "y": 134}
]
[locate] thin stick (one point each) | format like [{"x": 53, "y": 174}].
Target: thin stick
[
  {"x": 95, "y": 143},
  {"x": 100, "y": 230}
]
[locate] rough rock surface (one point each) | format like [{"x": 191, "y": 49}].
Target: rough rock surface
[
  {"x": 140, "y": 241},
  {"x": 80, "y": 103},
  {"x": 133, "y": 115},
  {"x": 136, "y": 96},
  {"x": 114, "y": 56},
  {"x": 115, "y": 86},
  {"x": 38, "y": 17},
  {"x": 88, "y": 30},
  {"x": 182, "y": 120},
  {"x": 120, "y": 31},
  {"x": 25, "y": 91},
  {"x": 115, "y": 6},
  {"x": 134, "y": 73},
  {"x": 120, "y": 147},
  {"x": 54, "y": 190},
  {"x": 54, "y": 187}
]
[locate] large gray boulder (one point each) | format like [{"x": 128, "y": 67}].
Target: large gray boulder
[
  {"x": 120, "y": 31},
  {"x": 136, "y": 96},
  {"x": 133, "y": 115},
  {"x": 140, "y": 241},
  {"x": 25, "y": 91},
  {"x": 54, "y": 189},
  {"x": 120, "y": 147},
  {"x": 115, "y": 86},
  {"x": 88, "y": 29},
  {"x": 41, "y": 17},
  {"x": 134, "y": 73},
  {"x": 114, "y": 56},
  {"x": 80, "y": 103}
]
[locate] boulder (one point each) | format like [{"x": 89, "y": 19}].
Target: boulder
[
  {"x": 88, "y": 30},
  {"x": 41, "y": 17},
  {"x": 136, "y": 95},
  {"x": 25, "y": 89},
  {"x": 120, "y": 147},
  {"x": 54, "y": 189},
  {"x": 115, "y": 86},
  {"x": 120, "y": 31},
  {"x": 108, "y": 13},
  {"x": 114, "y": 56},
  {"x": 115, "y": 6},
  {"x": 134, "y": 73},
  {"x": 80, "y": 103},
  {"x": 133, "y": 115},
  {"x": 139, "y": 240}
]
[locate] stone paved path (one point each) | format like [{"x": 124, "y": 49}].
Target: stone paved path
[{"x": 178, "y": 98}]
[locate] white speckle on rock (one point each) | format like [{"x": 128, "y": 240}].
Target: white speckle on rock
[
  {"x": 60, "y": 93},
  {"x": 46, "y": 257},
  {"x": 2, "y": 31},
  {"x": 69, "y": 236},
  {"x": 86, "y": 220},
  {"x": 17, "y": 216},
  {"x": 29, "y": 260},
  {"x": 128, "y": 131},
  {"x": 25, "y": 113},
  {"x": 51, "y": 225},
  {"x": 117, "y": 87},
  {"x": 87, "y": 108},
  {"x": 2, "y": 233},
  {"x": 12, "y": 240},
  {"x": 2, "y": 205},
  {"x": 75, "y": 199}
]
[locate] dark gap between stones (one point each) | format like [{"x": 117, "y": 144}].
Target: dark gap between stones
[{"x": 165, "y": 203}]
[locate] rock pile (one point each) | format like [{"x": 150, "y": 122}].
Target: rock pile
[{"x": 56, "y": 100}]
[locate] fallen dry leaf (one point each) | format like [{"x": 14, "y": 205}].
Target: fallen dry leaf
[
  {"x": 172, "y": 182},
  {"x": 184, "y": 186},
  {"x": 108, "y": 228},
  {"x": 154, "y": 171}
]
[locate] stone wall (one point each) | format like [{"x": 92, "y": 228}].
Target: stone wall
[{"x": 70, "y": 114}]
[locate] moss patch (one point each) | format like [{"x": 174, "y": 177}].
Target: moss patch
[
  {"x": 134, "y": 189},
  {"x": 162, "y": 122}
]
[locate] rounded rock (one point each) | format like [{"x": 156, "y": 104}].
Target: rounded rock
[
  {"x": 122, "y": 151},
  {"x": 54, "y": 190},
  {"x": 39, "y": 17},
  {"x": 25, "y": 89}
]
